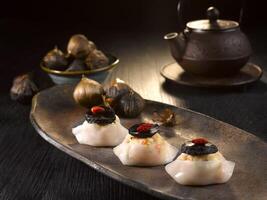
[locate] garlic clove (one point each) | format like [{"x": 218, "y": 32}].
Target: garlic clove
[
  {"x": 118, "y": 88},
  {"x": 124, "y": 100},
  {"x": 79, "y": 46},
  {"x": 96, "y": 59},
  {"x": 55, "y": 59},
  {"x": 23, "y": 89},
  {"x": 130, "y": 104}
]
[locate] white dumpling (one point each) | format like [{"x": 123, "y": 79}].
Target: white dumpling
[
  {"x": 213, "y": 169},
  {"x": 100, "y": 135},
  {"x": 145, "y": 151}
]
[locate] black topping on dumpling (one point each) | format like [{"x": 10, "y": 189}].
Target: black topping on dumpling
[
  {"x": 198, "y": 146},
  {"x": 144, "y": 130},
  {"x": 101, "y": 115}
]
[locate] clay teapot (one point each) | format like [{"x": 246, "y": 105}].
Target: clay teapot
[{"x": 210, "y": 47}]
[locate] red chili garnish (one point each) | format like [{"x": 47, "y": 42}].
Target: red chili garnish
[
  {"x": 97, "y": 109},
  {"x": 144, "y": 127},
  {"x": 109, "y": 100},
  {"x": 200, "y": 141}
]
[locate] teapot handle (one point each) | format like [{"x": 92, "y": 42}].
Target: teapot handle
[{"x": 180, "y": 14}]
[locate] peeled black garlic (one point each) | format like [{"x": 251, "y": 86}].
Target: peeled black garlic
[
  {"x": 130, "y": 104},
  {"x": 96, "y": 59},
  {"x": 23, "y": 89},
  {"x": 117, "y": 90},
  {"x": 55, "y": 59},
  {"x": 124, "y": 100},
  {"x": 88, "y": 93},
  {"x": 79, "y": 46}
]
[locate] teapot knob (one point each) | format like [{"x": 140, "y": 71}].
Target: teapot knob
[{"x": 213, "y": 14}]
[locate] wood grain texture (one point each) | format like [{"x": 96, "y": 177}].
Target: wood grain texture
[{"x": 30, "y": 168}]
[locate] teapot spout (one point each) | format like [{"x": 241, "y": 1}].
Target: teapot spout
[{"x": 177, "y": 45}]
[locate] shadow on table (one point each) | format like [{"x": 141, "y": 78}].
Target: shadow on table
[
  {"x": 244, "y": 107},
  {"x": 177, "y": 90}
]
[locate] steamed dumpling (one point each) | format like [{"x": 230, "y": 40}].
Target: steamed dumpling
[
  {"x": 198, "y": 172},
  {"x": 145, "y": 147},
  {"x": 200, "y": 164},
  {"x": 100, "y": 129}
]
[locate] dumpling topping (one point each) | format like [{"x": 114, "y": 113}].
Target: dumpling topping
[
  {"x": 101, "y": 115},
  {"x": 198, "y": 146},
  {"x": 144, "y": 130}
]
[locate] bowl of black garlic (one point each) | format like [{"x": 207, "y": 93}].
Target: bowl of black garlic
[{"x": 81, "y": 59}]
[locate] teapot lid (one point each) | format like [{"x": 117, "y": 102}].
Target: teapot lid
[{"x": 212, "y": 23}]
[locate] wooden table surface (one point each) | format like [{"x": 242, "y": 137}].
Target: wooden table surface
[{"x": 30, "y": 168}]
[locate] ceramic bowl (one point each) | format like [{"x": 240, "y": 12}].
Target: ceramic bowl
[{"x": 64, "y": 77}]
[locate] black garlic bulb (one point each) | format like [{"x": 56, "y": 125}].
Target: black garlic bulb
[
  {"x": 92, "y": 45},
  {"x": 70, "y": 58},
  {"x": 55, "y": 59},
  {"x": 130, "y": 104},
  {"x": 88, "y": 93},
  {"x": 23, "y": 89},
  {"x": 96, "y": 59},
  {"x": 77, "y": 65},
  {"x": 79, "y": 46}
]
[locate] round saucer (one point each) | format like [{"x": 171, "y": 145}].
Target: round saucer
[{"x": 248, "y": 74}]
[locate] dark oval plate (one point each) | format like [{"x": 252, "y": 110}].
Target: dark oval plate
[{"x": 54, "y": 113}]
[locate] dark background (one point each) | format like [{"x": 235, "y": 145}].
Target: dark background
[
  {"x": 127, "y": 14},
  {"x": 28, "y": 29}
]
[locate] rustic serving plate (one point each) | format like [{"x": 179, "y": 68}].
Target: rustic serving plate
[{"x": 54, "y": 113}]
